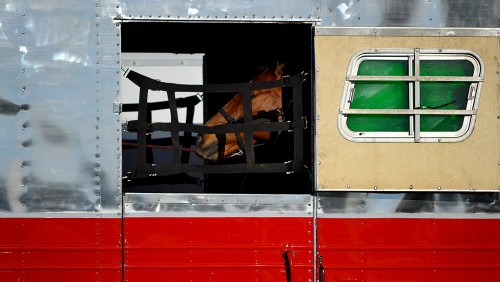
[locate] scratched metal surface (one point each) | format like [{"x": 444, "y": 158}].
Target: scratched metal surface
[
  {"x": 410, "y": 13},
  {"x": 225, "y": 10},
  {"x": 59, "y": 137},
  {"x": 420, "y": 204},
  {"x": 341, "y": 13},
  {"x": 60, "y": 65}
]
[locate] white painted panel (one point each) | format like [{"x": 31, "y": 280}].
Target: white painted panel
[{"x": 166, "y": 67}]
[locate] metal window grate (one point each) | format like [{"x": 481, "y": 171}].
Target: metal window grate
[{"x": 410, "y": 95}]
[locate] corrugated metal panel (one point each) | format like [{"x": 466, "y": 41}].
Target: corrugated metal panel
[
  {"x": 60, "y": 249},
  {"x": 218, "y": 248},
  {"x": 402, "y": 249},
  {"x": 218, "y": 237}
]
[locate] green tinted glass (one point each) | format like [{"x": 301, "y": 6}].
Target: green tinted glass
[
  {"x": 395, "y": 95},
  {"x": 444, "y": 95},
  {"x": 380, "y": 95}
]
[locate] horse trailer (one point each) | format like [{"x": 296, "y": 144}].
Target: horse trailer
[{"x": 249, "y": 140}]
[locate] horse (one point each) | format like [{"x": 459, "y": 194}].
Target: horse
[{"x": 265, "y": 100}]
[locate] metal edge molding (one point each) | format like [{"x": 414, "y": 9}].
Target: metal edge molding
[
  {"x": 402, "y": 31},
  {"x": 218, "y": 205}
]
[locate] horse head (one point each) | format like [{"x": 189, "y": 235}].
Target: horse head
[{"x": 265, "y": 100}]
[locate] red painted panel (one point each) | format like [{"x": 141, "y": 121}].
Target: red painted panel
[
  {"x": 217, "y": 249},
  {"x": 60, "y": 249},
  {"x": 409, "y": 249}
]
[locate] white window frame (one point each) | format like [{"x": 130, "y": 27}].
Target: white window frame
[{"x": 414, "y": 112}]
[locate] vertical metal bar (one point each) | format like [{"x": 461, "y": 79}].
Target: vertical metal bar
[
  {"x": 417, "y": 95},
  {"x": 411, "y": 97}
]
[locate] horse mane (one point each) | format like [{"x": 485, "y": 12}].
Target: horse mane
[{"x": 263, "y": 70}]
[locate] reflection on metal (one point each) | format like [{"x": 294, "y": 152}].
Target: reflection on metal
[
  {"x": 338, "y": 13},
  {"x": 406, "y": 31},
  {"x": 410, "y": 13},
  {"x": 420, "y": 204},
  {"x": 60, "y": 141},
  {"x": 226, "y": 10},
  {"x": 226, "y": 205}
]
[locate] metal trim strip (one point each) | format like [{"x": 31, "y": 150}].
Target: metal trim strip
[
  {"x": 225, "y": 214},
  {"x": 465, "y": 216},
  {"x": 401, "y": 31},
  {"x": 217, "y": 205},
  {"x": 407, "y": 112},
  {"x": 60, "y": 215}
]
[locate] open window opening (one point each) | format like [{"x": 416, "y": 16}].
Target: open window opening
[
  {"x": 221, "y": 67},
  {"x": 175, "y": 68},
  {"x": 411, "y": 95}
]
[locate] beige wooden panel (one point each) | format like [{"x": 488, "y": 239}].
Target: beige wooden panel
[{"x": 472, "y": 164}]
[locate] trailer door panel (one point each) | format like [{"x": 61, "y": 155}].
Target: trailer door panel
[
  {"x": 202, "y": 237},
  {"x": 49, "y": 247},
  {"x": 407, "y": 113},
  {"x": 407, "y": 236}
]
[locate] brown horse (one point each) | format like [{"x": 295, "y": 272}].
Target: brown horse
[{"x": 266, "y": 100}]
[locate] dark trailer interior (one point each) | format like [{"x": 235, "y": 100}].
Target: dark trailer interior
[{"x": 233, "y": 53}]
